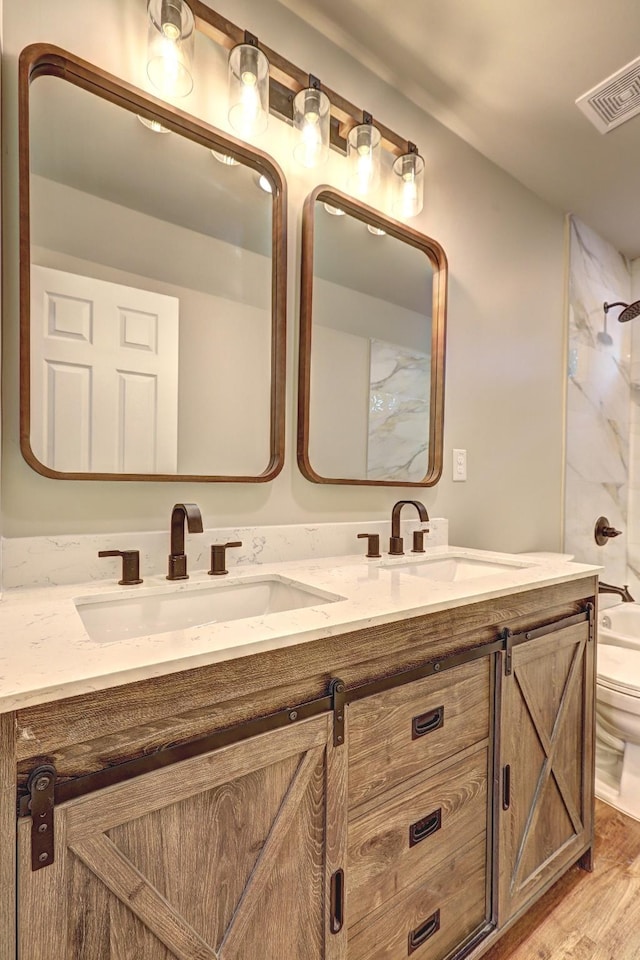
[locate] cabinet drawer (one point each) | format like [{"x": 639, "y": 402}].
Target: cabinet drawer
[
  {"x": 429, "y": 919},
  {"x": 404, "y": 840},
  {"x": 400, "y": 733}
]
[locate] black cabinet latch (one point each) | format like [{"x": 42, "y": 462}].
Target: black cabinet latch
[
  {"x": 41, "y": 785},
  {"x": 337, "y": 691}
]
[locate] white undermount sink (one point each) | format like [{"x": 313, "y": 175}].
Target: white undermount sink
[
  {"x": 451, "y": 568},
  {"x": 124, "y": 616}
]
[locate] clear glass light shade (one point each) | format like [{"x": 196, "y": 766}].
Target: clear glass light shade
[
  {"x": 363, "y": 153},
  {"x": 248, "y": 90},
  {"x": 170, "y": 47},
  {"x": 311, "y": 121},
  {"x": 154, "y": 125},
  {"x": 225, "y": 158},
  {"x": 408, "y": 186}
]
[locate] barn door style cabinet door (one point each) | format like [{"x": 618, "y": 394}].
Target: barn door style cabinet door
[
  {"x": 227, "y": 856},
  {"x": 547, "y": 760}
]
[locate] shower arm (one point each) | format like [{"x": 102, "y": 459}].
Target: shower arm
[
  {"x": 630, "y": 310},
  {"x": 618, "y": 303}
]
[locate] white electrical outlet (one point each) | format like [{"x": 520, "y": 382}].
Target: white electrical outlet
[{"x": 459, "y": 465}]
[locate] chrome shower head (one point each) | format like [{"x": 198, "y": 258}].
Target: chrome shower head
[{"x": 630, "y": 312}]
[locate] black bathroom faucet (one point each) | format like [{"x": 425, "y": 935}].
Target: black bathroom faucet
[
  {"x": 178, "y": 558},
  {"x": 396, "y": 546}
]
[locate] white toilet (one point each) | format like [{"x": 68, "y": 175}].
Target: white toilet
[{"x": 618, "y": 727}]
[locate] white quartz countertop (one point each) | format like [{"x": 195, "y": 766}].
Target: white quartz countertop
[{"x": 46, "y": 654}]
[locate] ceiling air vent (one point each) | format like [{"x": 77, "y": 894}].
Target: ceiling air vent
[{"x": 615, "y": 100}]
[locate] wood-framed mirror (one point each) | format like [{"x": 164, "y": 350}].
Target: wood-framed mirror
[
  {"x": 152, "y": 286},
  {"x": 372, "y": 347}
]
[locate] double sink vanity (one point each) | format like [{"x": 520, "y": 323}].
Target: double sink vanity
[{"x": 339, "y": 757}]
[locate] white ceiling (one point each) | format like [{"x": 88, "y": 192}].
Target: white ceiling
[{"x": 504, "y": 75}]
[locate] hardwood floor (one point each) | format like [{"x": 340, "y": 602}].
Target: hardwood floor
[{"x": 587, "y": 916}]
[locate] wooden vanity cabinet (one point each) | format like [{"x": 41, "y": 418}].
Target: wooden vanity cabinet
[{"x": 417, "y": 813}]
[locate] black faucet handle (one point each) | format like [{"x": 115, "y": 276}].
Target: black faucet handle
[
  {"x": 373, "y": 544},
  {"x": 603, "y": 531},
  {"x": 219, "y": 557},
  {"x": 418, "y": 541},
  {"x": 130, "y": 565}
]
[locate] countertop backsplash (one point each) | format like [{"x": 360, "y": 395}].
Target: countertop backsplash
[{"x": 64, "y": 560}]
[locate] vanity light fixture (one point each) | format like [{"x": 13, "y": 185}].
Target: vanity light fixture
[
  {"x": 363, "y": 153},
  {"x": 248, "y": 88},
  {"x": 376, "y": 231},
  {"x": 408, "y": 188},
  {"x": 262, "y": 81},
  {"x": 311, "y": 120},
  {"x": 171, "y": 33},
  {"x": 265, "y": 184}
]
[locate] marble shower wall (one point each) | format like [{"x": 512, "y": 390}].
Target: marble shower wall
[
  {"x": 599, "y": 406},
  {"x": 633, "y": 539},
  {"x": 399, "y": 395}
]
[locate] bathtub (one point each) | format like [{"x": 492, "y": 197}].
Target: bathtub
[{"x": 620, "y": 625}]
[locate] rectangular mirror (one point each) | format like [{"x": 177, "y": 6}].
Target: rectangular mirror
[
  {"x": 152, "y": 286},
  {"x": 372, "y": 347}
]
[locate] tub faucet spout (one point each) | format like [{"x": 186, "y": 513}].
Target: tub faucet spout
[{"x": 620, "y": 591}]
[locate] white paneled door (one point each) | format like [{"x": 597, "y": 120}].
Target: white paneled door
[{"x": 104, "y": 375}]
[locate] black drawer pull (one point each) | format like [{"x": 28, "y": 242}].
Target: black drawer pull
[
  {"x": 427, "y": 723},
  {"x": 422, "y": 829},
  {"x": 422, "y": 933},
  {"x": 506, "y": 787},
  {"x": 337, "y": 902}
]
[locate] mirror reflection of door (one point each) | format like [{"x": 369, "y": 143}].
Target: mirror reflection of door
[{"x": 104, "y": 374}]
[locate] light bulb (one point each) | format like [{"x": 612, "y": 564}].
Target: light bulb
[
  {"x": 409, "y": 196},
  {"x": 376, "y": 231},
  {"x": 364, "y": 168},
  {"x": 250, "y": 104},
  {"x": 170, "y": 31},
  {"x": 171, "y": 19},
  {"x": 265, "y": 184},
  {"x": 311, "y": 141},
  {"x": 170, "y": 66}
]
